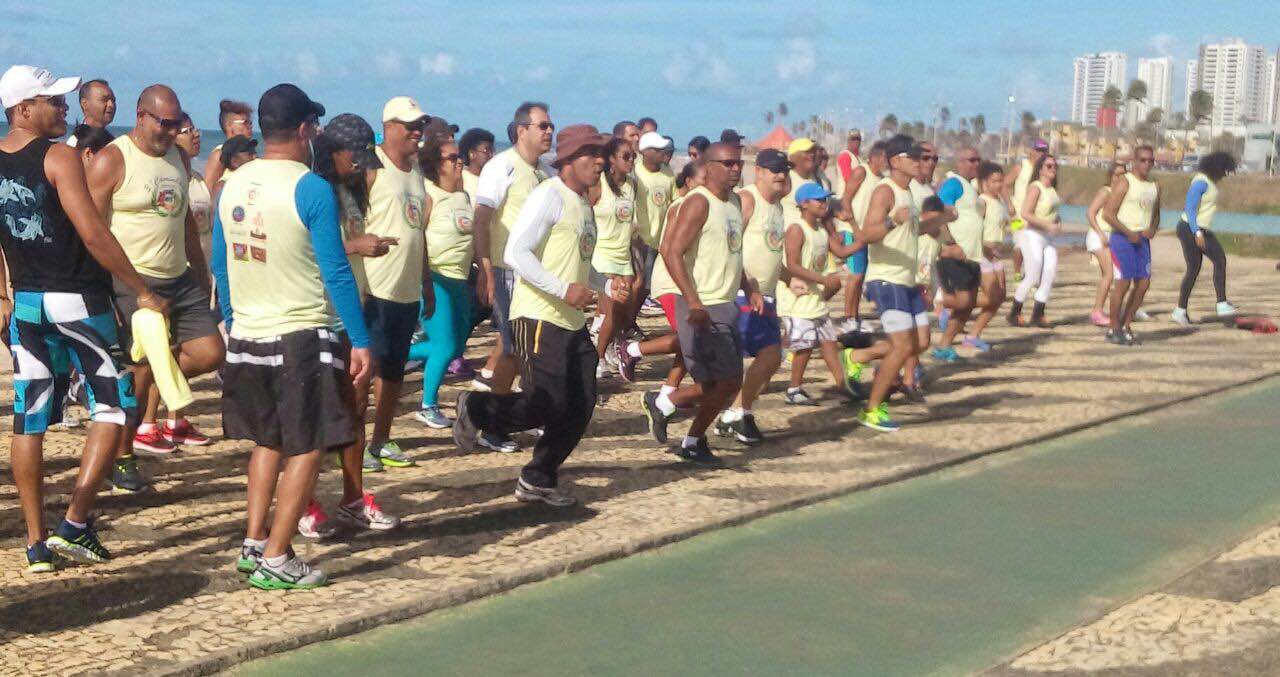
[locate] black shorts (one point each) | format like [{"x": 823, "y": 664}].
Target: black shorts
[
  {"x": 715, "y": 353},
  {"x": 190, "y": 316},
  {"x": 391, "y": 327},
  {"x": 958, "y": 275},
  {"x": 291, "y": 393}
]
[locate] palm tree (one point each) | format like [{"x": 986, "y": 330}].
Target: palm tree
[
  {"x": 782, "y": 110},
  {"x": 889, "y": 125},
  {"x": 768, "y": 117},
  {"x": 979, "y": 125},
  {"x": 1028, "y": 123},
  {"x": 1178, "y": 120},
  {"x": 1201, "y": 106},
  {"x": 1155, "y": 116},
  {"x": 1137, "y": 90},
  {"x": 1111, "y": 97}
]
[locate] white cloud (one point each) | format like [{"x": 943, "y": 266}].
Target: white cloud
[
  {"x": 1164, "y": 44},
  {"x": 539, "y": 74},
  {"x": 307, "y": 65},
  {"x": 798, "y": 61},
  {"x": 121, "y": 53},
  {"x": 441, "y": 64},
  {"x": 698, "y": 66},
  {"x": 1032, "y": 91},
  {"x": 389, "y": 64}
]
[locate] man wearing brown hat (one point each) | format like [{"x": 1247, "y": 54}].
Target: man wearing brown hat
[{"x": 549, "y": 251}]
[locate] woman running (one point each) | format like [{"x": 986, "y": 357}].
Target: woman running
[
  {"x": 448, "y": 215},
  {"x": 1196, "y": 238},
  {"x": 1096, "y": 241},
  {"x": 994, "y": 220},
  {"x": 1039, "y": 210},
  {"x": 614, "y": 204}
]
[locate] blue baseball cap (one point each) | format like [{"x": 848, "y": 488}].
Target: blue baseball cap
[{"x": 812, "y": 191}]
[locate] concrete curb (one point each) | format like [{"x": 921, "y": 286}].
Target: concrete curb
[{"x": 226, "y": 659}]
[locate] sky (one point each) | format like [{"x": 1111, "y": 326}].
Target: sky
[{"x": 696, "y": 66}]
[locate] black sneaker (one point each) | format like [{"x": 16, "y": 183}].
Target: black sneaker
[
  {"x": 699, "y": 453},
  {"x": 125, "y": 478},
  {"x": 81, "y": 545},
  {"x": 465, "y": 433},
  {"x": 657, "y": 419},
  {"x": 743, "y": 429},
  {"x": 40, "y": 559}
]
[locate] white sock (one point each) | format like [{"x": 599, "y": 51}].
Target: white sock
[
  {"x": 633, "y": 349},
  {"x": 731, "y": 414},
  {"x": 78, "y": 525},
  {"x": 276, "y": 561},
  {"x": 665, "y": 405},
  {"x": 689, "y": 442},
  {"x": 172, "y": 422},
  {"x": 792, "y": 391},
  {"x": 666, "y": 389},
  {"x": 146, "y": 427},
  {"x": 259, "y": 544},
  {"x": 487, "y": 373}
]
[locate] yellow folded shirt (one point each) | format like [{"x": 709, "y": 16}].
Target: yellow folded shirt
[{"x": 151, "y": 340}]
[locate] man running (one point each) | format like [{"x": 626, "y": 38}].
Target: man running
[
  {"x": 655, "y": 189},
  {"x": 961, "y": 277},
  {"x": 97, "y": 107},
  {"x": 703, "y": 254},
  {"x": 550, "y": 252},
  {"x": 289, "y": 379},
  {"x": 863, "y": 180},
  {"x": 1133, "y": 210},
  {"x": 58, "y": 252},
  {"x": 762, "y": 249},
  {"x": 505, "y": 183},
  {"x": 847, "y": 161},
  {"x": 400, "y": 280},
  {"x": 140, "y": 185}
]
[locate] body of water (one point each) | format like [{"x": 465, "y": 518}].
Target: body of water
[{"x": 1226, "y": 222}]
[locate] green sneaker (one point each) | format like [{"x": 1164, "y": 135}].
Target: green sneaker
[
  {"x": 294, "y": 574},
  {"x": 40, "y": 559},
  {"x": 878, "y": 419},
  {"x": 391, "y": 455},
  {"x": 852, "y": 368},
  {"x": 81, "y": 545},
  {"x": 250, "y": 557}
]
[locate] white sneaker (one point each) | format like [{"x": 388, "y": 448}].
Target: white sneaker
[
  {"x": 367, "y": 514},
  {"x": 1225, "y": 309},
  {"x": 314, "y": 523},
  {"x": 1179, "y": 316},
  {"x": 1142, "y": 316}
]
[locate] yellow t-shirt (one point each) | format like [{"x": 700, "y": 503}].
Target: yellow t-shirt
[
  {"x": 1103, "y": 224},
  {"x": 715, "y": 259},
  {"x": 968, "y": 226},
  {"x": 275, "y": 281},
  {"x": 762, "y": 241},
  {"x": 993, "y": 219},
  {"x": 655, "y": 191},
  {"x": 1208, "y": 203},
  {"x": 662, "y": 283},
  {"x": 449, "y": 247},
  {"x": 149, "y": 210},
  {"x": 1020, "y": 184},
  {"x": 893, "y": 259},
  {"x": 1048, "y": 203},
  {"x": 352, "y": 221},
  {"x": 615, "y": 220},
  {"x": 1138, "y": 204},
  {"x": 469, "y": 182},
  {"x": 791, "y": 210},
  {"x": 813, "y": 256},
  {"x": 523, "y": 179},
  {"x": 396, "y": 203},
  {"x": 566, "y": 253}
]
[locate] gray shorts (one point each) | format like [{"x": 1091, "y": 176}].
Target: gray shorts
[
  {"x": 504, "y": 281},
  {"x": 713, "y": 354},
  {"x": 190, "y": 316},
  {"x": 645, "y": 257}
]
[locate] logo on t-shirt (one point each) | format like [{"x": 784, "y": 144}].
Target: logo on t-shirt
[
  {"x": 774, "y": 234},
  {"x": 462, "y": 221},
  {"x": 167, "y": 197},
  {"x": 259, "y": 253},
  {"x": 587, "y": 236},
  {"x": 413, "y": 210},
  {"x": 22, "y": 208},
  {"x": 733, "y": 233},
  {"x": 624, "y": 210},
  {"x": 659, "y": 197},
  {"x": 237, "y": 213},
  {"x": 240, "y": 251}
]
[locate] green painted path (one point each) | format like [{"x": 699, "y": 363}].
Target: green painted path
[{"x": 944, "y": 574}]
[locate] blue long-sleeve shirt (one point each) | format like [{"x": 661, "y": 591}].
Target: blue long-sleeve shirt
[
  {"x": 318, "y": 208},
  {"x": 1194, "y": 194},
  {"x": 950, "y": 191}
]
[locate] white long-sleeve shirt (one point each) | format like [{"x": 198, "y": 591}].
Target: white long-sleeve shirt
[{"x": 540, "y": 212}]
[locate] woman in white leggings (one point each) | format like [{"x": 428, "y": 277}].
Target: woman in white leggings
[{"x": 1039, "y": 210}]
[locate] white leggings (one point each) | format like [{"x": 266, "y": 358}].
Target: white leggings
[{"x": 1039, "y": 265}]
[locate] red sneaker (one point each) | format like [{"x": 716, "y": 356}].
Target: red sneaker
[
  {"x": 153, "y": 441},
  {"x": 183, "y": 433}
]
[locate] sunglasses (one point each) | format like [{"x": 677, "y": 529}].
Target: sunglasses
[
  {"x": 544, "y": 125},
  {"x": 928, "y": 158},
  {"x": 55, "y": 101},
  {"x": 730, "y": 164},
  {"x": 627, "y": 157},
  {"x": 187, "y": 130},
  {"x": 167, "y": 124}
]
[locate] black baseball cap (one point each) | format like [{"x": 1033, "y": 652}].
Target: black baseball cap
[
  {"x": 285, "y": 107},
  {"x": 731, "y": 136},
  {"x": 438, "y": 126},
  {"x": 350, "y": 132},
  {"x": 773, "y": 160}
]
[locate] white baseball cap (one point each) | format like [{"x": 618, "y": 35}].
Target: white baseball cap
[
  {"x": 652, "y": 140},
  {"x": 403, "y": 109},
  {"x": 20, "y": 83}
]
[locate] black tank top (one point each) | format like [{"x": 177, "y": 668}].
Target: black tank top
[{"x": 42, "y": 248}]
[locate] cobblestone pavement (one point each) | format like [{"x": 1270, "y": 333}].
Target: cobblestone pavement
[
  {"x": 1222, "y": 618},
  {"x": 171, "y": 602}
]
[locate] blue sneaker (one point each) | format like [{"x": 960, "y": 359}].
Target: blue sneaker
[
  {"x": 81, "y": 545},
  {"x": 40, "y": 559},
  {"x": 977, "y": 344},
  {"x": 945, "y": 355}
]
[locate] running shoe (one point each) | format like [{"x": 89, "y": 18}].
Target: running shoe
[
  {"x": 250, "y": 557},
  {"x": 1115, "y": 337},
  {"x": 611, "y": 355},
  {"x": 1099, "y": 319},
  {"x": 743, "y": 429},
  {"x": 552, "y": 496},
  {"x": 40, "y": 559},
  {"x": 181, "y": 433},
  {"x": 367, "y": 514},
  {"x": 69, "y": 421},
  {"x": 125, "y": 478},
  {"x": 878, "y": 419},
  {"x": 651, "y": 308},
  {"x": 81, "y": 545},
  {"x": 465, "y": 434},
  {"x": 314, "y": 523},
  {"x": 153, "y": 442},
  {"x": 391, "y": 455},
  {"x": 1131, "y": 338},
  {"x": 293, "y": 574},
  {"x": 411, "y": 366},
  {"x": 460, "y": 368},
  {"x": 482, "y": 383},
  {"x": 499, "y": 442},
  {"x": 977, "y": 344},
  {"x": 433, "y": 417},
  {"x": 657, "y": 420},
  {"x": 1142, "y": 316},
  {"x": 1225, "y": 309},
  {"x": 368, "y": 462},
  {"x": 946, "y": 354},
  {"x": 1179, "y": 316},
  {"x": 798, "y": 396},
  {"x": 626, "y": 363},
  {"x": 699, "y": 453},
  {"x": 852, "y": 368},
  {"x": 603, "y": 370}
]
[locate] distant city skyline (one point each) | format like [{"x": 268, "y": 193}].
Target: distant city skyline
[{"x": 696, "y": 67}]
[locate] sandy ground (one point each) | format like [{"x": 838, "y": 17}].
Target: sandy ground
[{"x": 170, "y": 601}]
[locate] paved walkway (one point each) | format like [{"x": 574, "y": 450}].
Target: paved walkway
[
  {"x": 943, "y": 574},
  {"x": 170, "y": 602}
]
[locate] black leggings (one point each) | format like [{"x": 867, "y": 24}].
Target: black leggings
[{"x": 1194, "y": 257}]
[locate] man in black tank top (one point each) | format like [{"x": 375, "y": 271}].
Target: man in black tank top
[{"x": 59, "y": 254}]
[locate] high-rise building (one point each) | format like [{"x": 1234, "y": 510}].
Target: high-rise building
[
  {"x": 1158, "y": 74},
  {"x": 1193, "y": 83},
  {"x": 1093, "y": 74},
  {"x": 1272, "y": 83},
  {"x": 1234, "y": 73}
]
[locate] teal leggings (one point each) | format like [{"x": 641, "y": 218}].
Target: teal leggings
[{"x": 447, "y": 331}]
